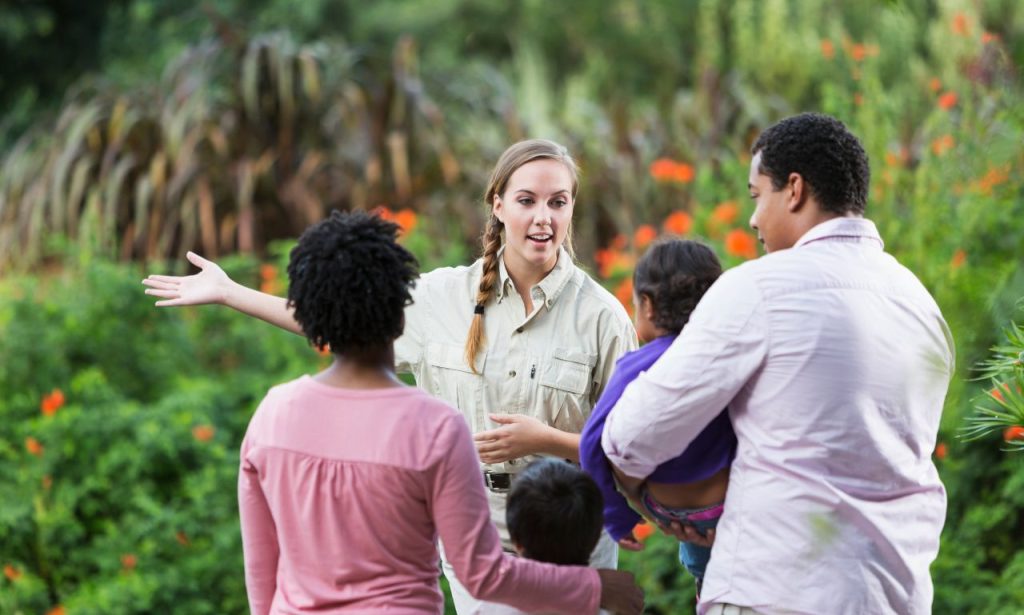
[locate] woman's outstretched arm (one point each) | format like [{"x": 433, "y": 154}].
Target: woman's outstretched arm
[{"x": 212, "y": 286}]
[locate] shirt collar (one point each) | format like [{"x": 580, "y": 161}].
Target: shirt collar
[
  {"x": 550, "y": 287},
  {"x": 844, "y": 229}
]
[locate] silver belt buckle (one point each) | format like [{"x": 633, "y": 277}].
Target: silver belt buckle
[{"x": 498, "y": 482}]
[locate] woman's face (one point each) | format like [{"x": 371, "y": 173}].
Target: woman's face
[{"x": 536, "y": 209}]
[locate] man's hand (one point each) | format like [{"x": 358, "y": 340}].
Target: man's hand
[
  {"x": 688, "y": 533},
  {"x": 620, "y": 593}
]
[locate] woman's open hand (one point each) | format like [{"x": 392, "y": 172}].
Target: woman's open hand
[
  {"x": 517, "y": 436},
  {"x": 208, "y": 286}
]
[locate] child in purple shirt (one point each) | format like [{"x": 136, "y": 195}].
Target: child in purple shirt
[{"x": 668, "y": 283}]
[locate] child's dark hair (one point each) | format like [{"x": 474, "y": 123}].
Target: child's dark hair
[
  {"x": 350, "y": 282},
  {"x": 674, "y": 274},
  {"x": 555, "y": 512}
]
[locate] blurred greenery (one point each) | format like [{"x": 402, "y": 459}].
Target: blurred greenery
[{"x": 136, "y": 129}]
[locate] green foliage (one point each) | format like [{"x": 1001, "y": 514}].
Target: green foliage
[{"x": 229, "y": 127}]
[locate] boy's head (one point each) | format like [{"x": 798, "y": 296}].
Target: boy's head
[
  {"x": 669, "y": 282},
  {"x": 554, "y": 513},
  {"x": 350, "y": 282}
]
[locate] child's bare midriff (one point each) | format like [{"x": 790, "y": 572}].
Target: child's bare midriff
[{"x": 697, "y": 494}]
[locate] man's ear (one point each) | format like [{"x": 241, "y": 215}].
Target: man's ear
[{"x": 798, "y": 192}]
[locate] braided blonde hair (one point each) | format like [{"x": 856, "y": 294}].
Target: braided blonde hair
[{"x": 514, "y": 157}]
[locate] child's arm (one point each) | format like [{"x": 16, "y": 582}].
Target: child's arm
[
  {"x": 259, "y": 538},
  {"x": 212, "y": 286}
]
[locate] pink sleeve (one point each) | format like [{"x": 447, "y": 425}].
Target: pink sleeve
[
  {"x": 472, "y": 545},
  {"x": 259, "y": 536}
]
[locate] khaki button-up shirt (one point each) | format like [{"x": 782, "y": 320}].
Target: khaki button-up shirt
[{"x": 551, "y": 364}]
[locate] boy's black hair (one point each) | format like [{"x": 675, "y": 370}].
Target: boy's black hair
[
  {"x": 555, "y": 512},
  {"x": 350, "y": 282},
  {"x": 674, "y": 274},
  {"x": 827, "y": 155}
]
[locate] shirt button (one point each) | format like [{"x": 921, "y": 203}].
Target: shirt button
[
  {"x": 519, "y": 330},
  {"x": 512, "y": 374}
]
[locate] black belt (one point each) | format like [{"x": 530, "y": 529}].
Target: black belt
[{"x": 498, "y": 482}]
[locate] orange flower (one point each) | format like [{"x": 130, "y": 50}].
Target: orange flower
[
  {"x": 182, "y": 538},
  {"x": 678, "y": 223},
  {"x": 642, "y": 531},
  {"x": 407, "y": 219},
  {"x": 33, "y": 446},
  {"x": 644, "y": 235},
  {"x": 57, "y": 610},
  {"x": 997, "y": 394},
  {"x": 858, "y": 99},
  {"x": 624, "y": 292},
  {"x": 619, "y": 242},
  {"x": 47, "y": 482},
  {"x": 203, "y": 433},
  {"x": 12, "y": 573},
  {"x": 942, "y": 145},
  {"x": 994, "y": 177},
  {"x": 828, "y": 50},
  {"x": 268, "y": 279},
  {"x": 668, "y": 170},
  {"x": 52, "y": 402},
  {"x": 128, "y": 562},
  {"x": 934, "y": 84},
  {"x": 384, "y": 213},
  {"x": 959, "y": 24},
  {"x": 858, "y": 52},
  {"x": 325, "y": 351},
  {"x": 941, "y": 450},
  {"x": 1013, "y": 433},
  {"x": 726, "y": 213},
  {"x": 741, "y": 243},
  {"x": 959, "y": 258},
  {"x": 988, "y": 37},
  {"x": 947, "y": 101}
]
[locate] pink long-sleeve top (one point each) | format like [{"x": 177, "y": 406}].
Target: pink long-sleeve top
[{"x": 342, "y": 494}]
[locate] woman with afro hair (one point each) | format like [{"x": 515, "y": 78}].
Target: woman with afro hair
[
  {"x": 522, "y": 341},
  {"x": 349, "y": 476}
]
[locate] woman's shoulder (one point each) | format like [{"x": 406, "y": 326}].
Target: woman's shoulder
[
  {"x": 592, "y": 294},
  {"x": 449, "y": 279}
]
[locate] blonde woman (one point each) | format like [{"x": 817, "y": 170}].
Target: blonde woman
[{"x": 522, "y": 341}]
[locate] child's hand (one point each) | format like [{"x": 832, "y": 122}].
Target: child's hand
[
  {"x": 631, "y": 543},
  {"x": 518, "y": 435},
  {"x": 620, "y": 593}
]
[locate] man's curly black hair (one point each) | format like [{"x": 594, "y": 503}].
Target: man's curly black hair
[
  {"x": 674, "y": 274},
  {"x": 350, "y": 282},
  {"x": 830, "y": 159}
]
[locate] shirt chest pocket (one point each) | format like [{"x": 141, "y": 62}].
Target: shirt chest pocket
[
  {"x": 566, "y": 380},
  {"x": 451, "y": 378}
]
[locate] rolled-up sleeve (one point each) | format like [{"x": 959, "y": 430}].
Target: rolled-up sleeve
[{"x": 666, "y": 407}]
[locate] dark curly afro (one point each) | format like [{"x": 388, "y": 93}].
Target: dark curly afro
[
  {"x": 827, "y": 155},
  {"x": 350, "y": 282},
  {"x": 674, "y": 274}
]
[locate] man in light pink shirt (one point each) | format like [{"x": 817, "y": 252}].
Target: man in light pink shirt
[
  {"x": 349, "y": 477},
  {"x": 834, "y": 362}
]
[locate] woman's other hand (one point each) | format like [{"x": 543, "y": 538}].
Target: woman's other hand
[
  {"x": 518, "y": 435},
  {"x": 210, "y": 285}
]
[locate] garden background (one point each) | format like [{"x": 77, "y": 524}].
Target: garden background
[{"x": 133, "y": 130}]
